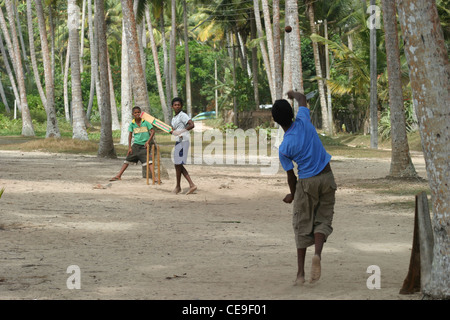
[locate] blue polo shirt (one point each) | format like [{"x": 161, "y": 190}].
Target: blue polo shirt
[{"x": 301, "y": 144}]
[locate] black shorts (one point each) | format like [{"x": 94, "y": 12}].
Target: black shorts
[{"x": 138, "y": 153}]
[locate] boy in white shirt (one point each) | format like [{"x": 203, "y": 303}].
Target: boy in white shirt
[{"x": 181, "y": 124}]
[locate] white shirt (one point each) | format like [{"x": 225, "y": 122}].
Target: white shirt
[{"x": 179, "y": 122}]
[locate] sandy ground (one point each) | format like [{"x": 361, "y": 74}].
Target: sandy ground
[{"x": 231, "y": 239}]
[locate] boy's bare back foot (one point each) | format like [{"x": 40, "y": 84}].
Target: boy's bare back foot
[
  {"x": 300, "y": 281},
  {"x": 191, "y": 189},
  {"x": 177, "y": 190},
  {"x": 315, "y": 269}
]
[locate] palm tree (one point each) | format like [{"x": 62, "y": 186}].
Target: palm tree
[
  {"x": 325, "y": 123},
  {"x": 162, "y": 97},
  {"x": 172, "y": 51},
  {"x": 27, "y": 124},
  {"x": 78, "y": 115},
  {"x": 373, "y": 83},
  {"x": 137, "y": 78},
  {"x": 186, "y": 59},
  {"x": 52, "y": 122},
  {"x": 430, "y": 79},
  {"x": 106, "y": 145},
  {"x": 401, "y": 164}
]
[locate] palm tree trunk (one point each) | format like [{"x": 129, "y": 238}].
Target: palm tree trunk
[
  {"x": 264, "y": 53},
  {"x": 27, "y": 124},
  {"x": 323, "y": 102},
  {"x": 373, "y": 86},
  {"x": 294, "y": 49},
  {"x": 429, "y": 71},
  {"x": 270, "y": 43},
  {"x": 82, "y": 35},
  {"x": 5, "y": 102},
  {"x": 112, "y": 96},
  {"x": 254, "y": 61},
  {"x": 37, "y": 78},
  {"x": 139, "y": 84},
  {"x": 157, "y": 68},
  {"x": 94, "y": 63},
  {"x": 67, "y": 110},
  {"x": 106, "y": 144},
  {"x": 125, "y": 90},
  {"x": 9, "y": 71},
  {"x": 78, "y": 116},
  {"x": 173, "y": 62},
  {"x": 52, "y": 122},
  {"x": 22, "y": 43},
  {"x": 278, "y": 71},
  {"x": 186, "y": 59},
  {"x": 166, "y": 63},
  {"x": 401, "y": 164}
]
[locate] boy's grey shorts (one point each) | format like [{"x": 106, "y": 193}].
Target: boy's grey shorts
[
  {"x": 313, "y": 208},
  {"x": 139, "y": 153}
]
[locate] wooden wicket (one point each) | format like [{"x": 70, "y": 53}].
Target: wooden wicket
[{"x": 157, "y": 162}]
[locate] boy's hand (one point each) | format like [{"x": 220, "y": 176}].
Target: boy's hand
[
  {"x": 289, "y": 198},
  {"x": 129, "y": 151}
]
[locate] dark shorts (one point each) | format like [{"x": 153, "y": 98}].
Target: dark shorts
[
  {"x": 138, "y": 153},
  {"x": 313, "y": 208}
]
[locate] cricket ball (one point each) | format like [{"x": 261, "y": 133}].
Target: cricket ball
[{"x": 288, "y": 29}]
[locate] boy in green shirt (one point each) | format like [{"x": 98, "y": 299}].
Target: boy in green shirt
[{"x": 143, "y": 138}]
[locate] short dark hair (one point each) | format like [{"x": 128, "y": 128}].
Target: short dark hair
[
  {"x": 136, "y": 107},
  {"x": 282, "y": 112},
  {"x": 177, "y": 99}
]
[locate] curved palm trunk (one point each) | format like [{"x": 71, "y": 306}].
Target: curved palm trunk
[
  {"x": 5, "y": 102},
  {"x": 373, "y": 87},
  {"x": 262, "y": 46},
  {"x": 106, "y": 144},
  {"x": 52, "y": 122},
  {"x": 157, "y": 68},
  {"x": 78, "y": 116},
  {"x": 137, "y": 77},
  {"x": 401, "y": 164},
  {"x": 166, "y": 63},
  {"x": 323, "y": 102},
  {"x": 270, "y": 44},
  {"x": 27, "y": 124},
  {"x": 430, "y": 80},
  {"x": 9, "y": 71},
  {"x": 37, "y": 78}
]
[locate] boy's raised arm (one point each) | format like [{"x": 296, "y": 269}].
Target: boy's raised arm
[{"x": 300, "y": 97}]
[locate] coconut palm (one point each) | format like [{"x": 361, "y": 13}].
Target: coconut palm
[
  {"x": 425, "y": 46},
  {"x": 52, "y": 122},
  {"x": 78, "y": 114},
  {"x": 106, "y": 145},
  {"x": 401, "y": 164},
  {"x": 27, "y": 125}
]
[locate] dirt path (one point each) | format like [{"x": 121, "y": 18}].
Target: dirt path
[{"x": 232, "y": 239}]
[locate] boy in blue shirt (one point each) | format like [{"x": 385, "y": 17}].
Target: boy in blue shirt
[
  {"x": 313, "y": 194},
  {"x": 143, "y": 137}
]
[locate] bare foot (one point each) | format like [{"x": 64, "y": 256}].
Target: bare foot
[
  {"x": 191, "y": 189},
  {"x": 315, "y": 269},
  {"x": 177, "y": 190},
  {"x": 300, "y": 281}
]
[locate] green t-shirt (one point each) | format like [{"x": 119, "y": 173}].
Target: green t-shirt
[{"x": 141, "y": 133}]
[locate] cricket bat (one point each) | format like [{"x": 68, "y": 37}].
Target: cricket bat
[{"x": 156, "y": 122}]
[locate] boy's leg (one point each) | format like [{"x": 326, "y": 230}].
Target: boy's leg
[
  {"x": 178, "y": 169},
  {"x": 319, "y": 240},
  {"x": 122, "y": 170},
  {"x": 192, "y": 186},
  {"x": 301, "y": 253}
]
